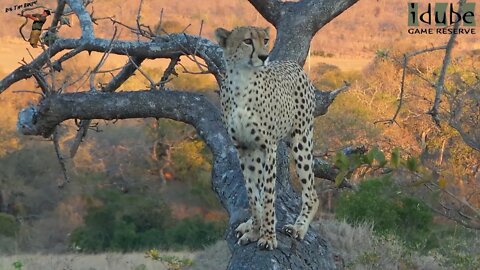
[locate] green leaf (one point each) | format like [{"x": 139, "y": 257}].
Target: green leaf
[
  {"x": 355, "y": 161},
  {"x": 380, "y": 157},
  {"x": 395, "y": 158},
  {"x": 369, "y": 157},
  {"x": 340, "y": 177},
  {"x": 342, "y": 162},
  {"x": 412, "y": 164}
]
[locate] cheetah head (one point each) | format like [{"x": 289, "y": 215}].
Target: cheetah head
[{"x": 246, "y": 46}]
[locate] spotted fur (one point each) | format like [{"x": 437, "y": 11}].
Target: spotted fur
[{"x": 262, "y": 103}]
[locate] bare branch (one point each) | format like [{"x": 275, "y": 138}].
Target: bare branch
[
  {"x": 440, "y": 86},
  {"x": 60, "y": 158},
  {"x": 42, "y": 82},
  {"x": 57, "y": 65},
  {"x": 139, "y": 16},
  {"x": 124, "y": 74},
  {"x": 426, "y": 50},
  {"x": 164, "y": 47},
  {"x": 56, "y": 18},
  {"x": 324, "y": 99},
  {"x": 118, "y": 80},
  {"x": 29, "y": 91},
  {"x": 302, "y": 20},
  {"x": 102, "y": 61},
  {"x": 270, "y": 9},
  {"x": 85, "y": 20},
  {"x": 152, "y": 82},
  {"x": 405, "y": 66},
  {"x": 170, "y": 70}
]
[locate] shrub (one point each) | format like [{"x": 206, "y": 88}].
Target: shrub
[
  {"x": 194, "y": 233},
  {"x": 8, "y": 225},
  {"x": 381, "y": 202},
  {"x": 126, "y": 222}
]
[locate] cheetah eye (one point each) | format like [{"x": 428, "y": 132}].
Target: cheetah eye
[
  {"x": 248, "y": 41},
  {"x": 266, "y": 41}
]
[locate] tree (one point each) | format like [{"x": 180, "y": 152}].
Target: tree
[{"x": 296, "y": 23}]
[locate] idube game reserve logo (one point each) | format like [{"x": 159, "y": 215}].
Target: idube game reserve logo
[{"x": 439, "y": 18}]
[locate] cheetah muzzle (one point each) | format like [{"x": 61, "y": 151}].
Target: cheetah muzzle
[{"x": 262, "y": 103}]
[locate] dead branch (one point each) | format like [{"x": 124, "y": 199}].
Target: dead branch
[
  {"x": 83, "y": 16},
  {"x": 104, "y": 57},
  {"x": 57, "y": 65},
  {"x": 170, "y": 70},
  {"x": 322, "y": 97},
  {"x": 61, "y": 159},
  {"x": 172, "y": 46},
  {"x": 56, "y": 18},
  {"x": 440, "y": 85},
  {"x": 29, "y": 91},
  {"x": 405, "y": 66},
  {"x": 118, "y": 80},
  {"x": 42, "y": 82},
  {"x": 152, "y": 82}
]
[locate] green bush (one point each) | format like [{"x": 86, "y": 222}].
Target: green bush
[
  {"x": 379, "y": 201},
  {"x": 194, "y": 233},
  {"x": 125, "y": 222},
  {"x": 8, "y": 225}
]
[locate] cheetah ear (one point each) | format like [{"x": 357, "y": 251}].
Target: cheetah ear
[{"x": 221, "y": 35}]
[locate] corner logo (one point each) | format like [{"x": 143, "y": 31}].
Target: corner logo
[{"x": 435, "y": 18}]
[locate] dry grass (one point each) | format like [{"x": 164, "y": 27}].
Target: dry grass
[
  {"x": 355, "y": 247},
  {"x": 117, "y": 261},
  {"x": 358, "y": 248},
  {"x": 344, "y": 63},
  {"x": 214, "y": 257}
]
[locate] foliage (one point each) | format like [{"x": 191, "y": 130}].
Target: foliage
[
  {"x": 17, "y": 265},
  {"x": 8, "y": 225},
  {"x": 173, "y": 262},
  {"x": 125, "y": 222},
  {"x": 456, "y": 248},
  {"x": 381, "y": 202},
  {"x": 374, "y": 159},
  {"x": 359, "y": 247},
  {"x": 193, "y": 233}
]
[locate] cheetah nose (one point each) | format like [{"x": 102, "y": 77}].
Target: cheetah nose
[{"x": 263, "y": 57}]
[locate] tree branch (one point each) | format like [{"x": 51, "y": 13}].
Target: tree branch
[
  {"x": 302, "y": 20},
  {"x": 165, "y": 47},
  {"x": 269, "y": 9},
  {"x": 324, "y": 99},
  {"x": 440, "y": 85},
  {"x": 56, "y": 18},
  {"x": 118, "y": 80},
  {"x": 86, "y": 23}
]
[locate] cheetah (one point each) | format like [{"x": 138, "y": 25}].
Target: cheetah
[{"x": 263, "y": 102}]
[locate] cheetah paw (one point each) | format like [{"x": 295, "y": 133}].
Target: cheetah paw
[
  {"x": 248, "y": 237},
  {"x": 267, "y": 242},
  {"x": 246, "y": 233},
  {"x": 295, "y": 231}
]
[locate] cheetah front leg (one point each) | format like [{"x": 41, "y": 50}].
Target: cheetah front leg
[
  {"x": 302, "y": 152},
  {"x": 268, "y": 238},
  {"x": 251, "y": 163}
]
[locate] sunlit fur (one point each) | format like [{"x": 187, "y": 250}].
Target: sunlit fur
[{"x": 262, "y": 103}]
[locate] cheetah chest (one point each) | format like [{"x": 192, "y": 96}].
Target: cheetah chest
[{"x": 253, "y": 115}]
